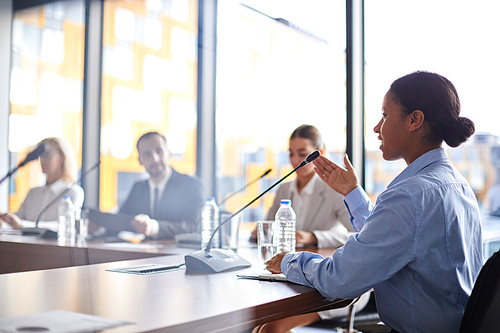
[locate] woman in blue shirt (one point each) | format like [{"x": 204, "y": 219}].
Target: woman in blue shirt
[{"x": 419, "y": 247}]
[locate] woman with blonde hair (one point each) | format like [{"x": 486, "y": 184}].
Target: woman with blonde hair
[{"x": 60, "y": 167}]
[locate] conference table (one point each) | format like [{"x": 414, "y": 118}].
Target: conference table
[{"x": 39, "y": 276}]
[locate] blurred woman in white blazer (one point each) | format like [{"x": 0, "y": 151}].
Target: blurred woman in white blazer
[
  {"x": 322, "y": 217},
  {"x": 59, "y": 165}
]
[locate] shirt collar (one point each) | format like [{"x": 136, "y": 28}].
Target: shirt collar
[
  {"x": 161, "y": 185},
  {"x": 308, "y": 189},
  {"x": 421, "y": 162},
  {"x": 58, "y": 186}
]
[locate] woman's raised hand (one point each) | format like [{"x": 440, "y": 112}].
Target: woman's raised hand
[{"x": 339, "y": 179}]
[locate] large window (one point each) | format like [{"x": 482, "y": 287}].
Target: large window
[
  {"x": 46, "y": 85},
  {"x": 279, "y": 65},
  {"x": 457, "y": 39},
  {"x": 149, "y": 83}
]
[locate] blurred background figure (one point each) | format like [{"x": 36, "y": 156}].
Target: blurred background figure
[
  {"x": 322, "y": 217},
  {"x": 169, "y": 202},
  {"x": 59, "y": 165}
]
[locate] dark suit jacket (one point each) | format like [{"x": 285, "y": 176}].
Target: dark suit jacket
[{"x": 180, "y": 204}]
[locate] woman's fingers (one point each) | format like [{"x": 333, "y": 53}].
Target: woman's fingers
[
  {"x": 325, "y": 165},
  {"x": 347, "y": 163}
]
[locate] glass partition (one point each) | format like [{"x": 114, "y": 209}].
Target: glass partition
[
  {"x": 46, "y": 86},
  {"x": 149, "y": 83},
  {"x": 455, "y": 39},
  {"x": 279, "y": 65}
]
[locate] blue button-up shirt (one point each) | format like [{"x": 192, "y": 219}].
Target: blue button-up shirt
[{"x": 419, "y": 248}]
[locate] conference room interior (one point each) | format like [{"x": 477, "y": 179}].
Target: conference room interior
[{"x": 227, "y": 81}]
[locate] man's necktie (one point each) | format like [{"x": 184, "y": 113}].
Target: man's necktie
[{"x": 156, "y": 202}]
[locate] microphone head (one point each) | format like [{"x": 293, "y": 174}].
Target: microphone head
[
  {"x": 34, "y": 154},
  {"x": 312, "y": 156}
]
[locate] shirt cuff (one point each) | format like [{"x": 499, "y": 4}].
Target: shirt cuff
[
  {"x": 357, "y": 202},
  {"x": 356, "y": 198},
  {"x": 292, "y": 266},
  {"x": 153, "y": 228},
  {"x": 289, "y": 257}
]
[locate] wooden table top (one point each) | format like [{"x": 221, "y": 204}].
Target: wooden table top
[{"x": 173, "y": 301}]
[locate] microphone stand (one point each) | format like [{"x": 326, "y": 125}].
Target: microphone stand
[
  {"x": 47, "y": 233},
  {"x": 244, "y": 187},
  {"x": 33, "y": 155},
  {"x": 10, "y": 173},
  {"x": 210, "y": 260}
]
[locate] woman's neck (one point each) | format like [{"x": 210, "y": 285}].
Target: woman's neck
[
  {"x": 303, "y": 181},
  {"x": 49, "y": 180}
]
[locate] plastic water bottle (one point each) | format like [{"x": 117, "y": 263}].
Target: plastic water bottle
[
  {"x": 66, "y": 231},
  {"x": 285, "y": 227},
  {"x": 209, "y": 222}
]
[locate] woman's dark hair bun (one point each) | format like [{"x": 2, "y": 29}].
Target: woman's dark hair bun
[{"x": 460, "y": 132}]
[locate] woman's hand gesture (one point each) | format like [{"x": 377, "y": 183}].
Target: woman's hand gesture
[{"x": 339, "y": 179}]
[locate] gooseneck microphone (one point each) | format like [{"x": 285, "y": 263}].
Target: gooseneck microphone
[
  {"x": 33, "y": 155},
  {"x": 244, "y": 187},
  {"x": 311, "y": 157},
  {"x": 210, "y": 260},
  {"x": 47, "y": 233}
]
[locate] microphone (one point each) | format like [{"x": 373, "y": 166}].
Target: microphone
[
  {"x": 33, "y": 155},
  {"x": 47, "y": 233},
  {"x": 244, "y": 187},
  {"x": 311, "y": 157},
  {"x": 210, "y": 260}
]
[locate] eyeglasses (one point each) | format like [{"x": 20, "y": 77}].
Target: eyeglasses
[{"x": 49, "y": 154}]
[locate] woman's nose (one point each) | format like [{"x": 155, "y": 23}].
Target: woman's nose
[{"x": 376, "y": 129}]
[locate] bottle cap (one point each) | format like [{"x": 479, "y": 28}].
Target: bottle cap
[{"x": 286, "y": 201}]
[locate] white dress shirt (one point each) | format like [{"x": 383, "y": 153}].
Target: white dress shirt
[
  {"x": 153, "y": 227},
  {"x": 39, "y": 197}
]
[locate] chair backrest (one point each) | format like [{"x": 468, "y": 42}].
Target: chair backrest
[{"x": 482, "y": 313}]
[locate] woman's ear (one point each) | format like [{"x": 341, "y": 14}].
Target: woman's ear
[{"x": 415, "y": 120}]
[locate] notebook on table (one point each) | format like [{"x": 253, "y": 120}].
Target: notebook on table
[{"x": 114, "y": 223}]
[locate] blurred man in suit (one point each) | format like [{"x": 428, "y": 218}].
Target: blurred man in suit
[{"x": 169, "y": 202}]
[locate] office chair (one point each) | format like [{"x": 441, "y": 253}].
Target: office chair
[
  {"x": 482, "y": 311},
  {"x": 366, "y": 320}
]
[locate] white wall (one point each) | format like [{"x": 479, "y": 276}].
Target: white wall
[{"x": 5, "y": 42}]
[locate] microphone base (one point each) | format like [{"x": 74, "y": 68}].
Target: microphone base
[
  {"x": 214, "y": 261},
  {"x": 40, "y": 232}
]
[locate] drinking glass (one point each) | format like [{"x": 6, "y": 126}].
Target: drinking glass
[{"x": 265, "y": 234}]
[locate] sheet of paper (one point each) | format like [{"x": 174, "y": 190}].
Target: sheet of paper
[
  {"x": 263, "y": 275},
  {"x": 58, "y": 321},
  {"x": 146, "y": 269}
]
